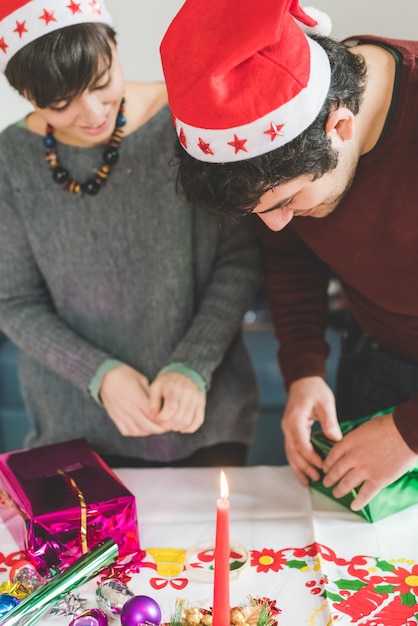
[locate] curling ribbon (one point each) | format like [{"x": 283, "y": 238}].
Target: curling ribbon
[{"x": 83, "y": 507}]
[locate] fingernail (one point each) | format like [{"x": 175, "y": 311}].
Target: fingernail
[{"x": 336, "y": 434}]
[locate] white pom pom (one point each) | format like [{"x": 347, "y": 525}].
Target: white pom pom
[{"x": 323, "y": 20}]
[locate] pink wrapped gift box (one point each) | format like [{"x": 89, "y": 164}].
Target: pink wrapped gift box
[{"x": 68, "y": 500}]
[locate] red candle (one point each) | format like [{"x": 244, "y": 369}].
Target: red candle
[{"x": 221, "y": 608}]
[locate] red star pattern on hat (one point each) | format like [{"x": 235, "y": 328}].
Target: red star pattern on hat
[
  {"x": 182, "y": 138},
  {"x": 3, "y": 45},
  {"x": 205, "y": 147},
  {"x": 274, "y": 131},
  {"x": 74, "y": 7},
  {"x": 95, "y": 7},
  {"x": 20, "y": 28},
  {"x": 48, "y": 16},
  {"x": 238, "y": 144}
]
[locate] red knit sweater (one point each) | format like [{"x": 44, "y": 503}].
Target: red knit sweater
[{"x": 370, "y": 241}]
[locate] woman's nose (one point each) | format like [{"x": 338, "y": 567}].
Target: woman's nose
[{"x": 92, "y": 111}]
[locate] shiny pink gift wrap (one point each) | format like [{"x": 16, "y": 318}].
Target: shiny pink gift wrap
[{"x": 53, "y": 505}]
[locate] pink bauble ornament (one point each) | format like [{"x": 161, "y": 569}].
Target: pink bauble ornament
[{"x": 140, "y": 610}]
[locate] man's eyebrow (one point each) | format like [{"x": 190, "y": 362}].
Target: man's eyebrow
[{"x": 278, "y": 205}]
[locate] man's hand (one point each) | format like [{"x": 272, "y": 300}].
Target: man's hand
[
  {"x": 125, "y": 396},
  {"x": 371, "y": 457},
  {"x": 310, "y": 400},
  {"x": 177, "y": 404}
]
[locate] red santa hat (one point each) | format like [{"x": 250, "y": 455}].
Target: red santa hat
[
  {"x": 23, "y": 21},
  {"x": 243, "y": 77}
]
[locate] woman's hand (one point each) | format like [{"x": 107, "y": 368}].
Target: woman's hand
[
  {"x": 125, "y": 394},
  {"x": 177, "y": 404}
]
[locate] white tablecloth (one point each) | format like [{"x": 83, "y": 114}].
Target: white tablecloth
[{"x": 319, "y": 562}]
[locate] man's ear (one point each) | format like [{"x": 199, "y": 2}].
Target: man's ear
[{"x": 340, "y": 123}]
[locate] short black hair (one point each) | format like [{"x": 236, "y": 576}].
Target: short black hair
[
  {"x": 233, "y": 189},
  {"x": 62, "y": 64}
]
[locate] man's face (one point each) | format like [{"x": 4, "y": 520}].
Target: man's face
[{"x": 302, "y": 197}]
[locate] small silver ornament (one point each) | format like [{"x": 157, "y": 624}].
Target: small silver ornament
[{"x": 111, "y": 595}]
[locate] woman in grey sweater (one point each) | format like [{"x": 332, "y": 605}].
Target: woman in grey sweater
[{"x": 125, "y": 302}]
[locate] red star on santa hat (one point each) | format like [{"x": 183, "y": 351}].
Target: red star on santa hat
[
  {"x": 205, "y": 147},
  {"x": 74, "y": 7},
  {"x": 3, "y": 45},
  {"x": 48, "y": 16},
  {"x": 238, "y": 144},
  {"x": 20, "y": 28},
  {"x": 274, "y": 131},
  {"x": 95, "y": 7},
  {"x": 182, "y": 139}
]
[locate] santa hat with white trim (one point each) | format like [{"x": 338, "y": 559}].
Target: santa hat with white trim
[
  {"x": 23, "y": 21},
  {"x": 243, "y": 76}
]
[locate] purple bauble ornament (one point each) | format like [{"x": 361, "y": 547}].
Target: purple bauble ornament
[{"x": 140, "y": 610}]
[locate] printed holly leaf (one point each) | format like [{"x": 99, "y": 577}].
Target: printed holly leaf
[
  {"x": 235, "y": 565},
  {"x": 409, "y": 599},
  {"x": 297, "y": 564},
  {"x": 334, "y": 597},
  {"x": 355, "y": 585},
  {"x": 384, "y": 565},
  {"x": 385, "y": 589}
]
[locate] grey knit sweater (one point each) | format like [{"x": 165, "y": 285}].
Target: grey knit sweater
[{"x": 133, "y": 273}]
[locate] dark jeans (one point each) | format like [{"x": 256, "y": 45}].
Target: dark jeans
[
  {"x": 370, "y": 378},
  {"x": 220, "y": 455}
]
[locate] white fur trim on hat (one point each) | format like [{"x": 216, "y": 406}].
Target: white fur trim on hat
[{"x": 31, "y": 20}]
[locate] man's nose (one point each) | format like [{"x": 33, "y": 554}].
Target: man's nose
[{"x": 278, "y": 219}]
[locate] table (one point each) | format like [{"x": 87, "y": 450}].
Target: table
[{"x": 319, "y": 562}]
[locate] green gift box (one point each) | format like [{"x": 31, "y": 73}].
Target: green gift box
[{"x": 399, "y": 495}]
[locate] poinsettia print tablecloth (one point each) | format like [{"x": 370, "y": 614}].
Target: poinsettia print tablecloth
[{"x": 317, "y": 563}]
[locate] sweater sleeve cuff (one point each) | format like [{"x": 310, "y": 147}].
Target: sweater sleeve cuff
[
  {"x": 300, "y": 361},
  {"x": 405, "y": 416},
  {"x": 194, "y": 376},
  {"x": 96, "y": 382}
]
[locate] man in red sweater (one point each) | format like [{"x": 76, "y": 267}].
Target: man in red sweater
[{"x": 276, "y": 118}]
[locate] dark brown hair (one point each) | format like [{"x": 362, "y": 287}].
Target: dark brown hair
[{"x": 62, "y": 64}]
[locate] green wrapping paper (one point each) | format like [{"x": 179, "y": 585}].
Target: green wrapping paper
[{"x": 391, "y": 499}]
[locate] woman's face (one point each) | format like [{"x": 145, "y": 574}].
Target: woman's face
[{"x": 88, "y": 119}]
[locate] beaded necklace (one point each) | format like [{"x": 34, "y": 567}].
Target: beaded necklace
[{"x": 110, "y": 156}]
